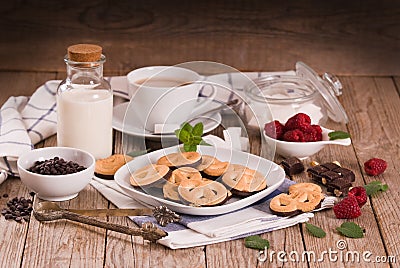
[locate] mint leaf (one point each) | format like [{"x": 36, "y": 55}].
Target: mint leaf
[
  {"x": 189, "y": 147},
  {"x": 338, "y": 135},
  {"x": 184, "y": 136},
  {"x": 197, "y": 139},
  {"x": 256, "y": 242},
  {"x": 190, "y": 136},
  {"x": 187, "y": 127},
  {"x": 198, "y": 129},
  {"x": 374, "y": 187},
  {"x": 351, "y": 229},
  {"x": 315, "y": 230}
]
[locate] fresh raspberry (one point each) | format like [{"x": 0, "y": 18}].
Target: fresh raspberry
[
  {"x": 375, "y": 166},
  {"x": 348, "y": 208},
  {"x": 298, "y": 121},
  {"x": 274, "y": 129},
  {"x": 312, "y": 133},
  {"x": 295, "y": 135},
  {"x": 360, "y": 194}
]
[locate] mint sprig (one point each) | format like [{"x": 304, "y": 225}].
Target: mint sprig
[
  {"x": 351, "y": 229},
  {"x": 338, "y": 135},
  {"x": 190, "y": 136},
  {"x": 315, "y": 230},
  {"x": 256, "y": 242},
  {"x": 374, "y": 187}
]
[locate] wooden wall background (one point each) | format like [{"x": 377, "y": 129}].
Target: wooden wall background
[{"x": 343, "y": 37}]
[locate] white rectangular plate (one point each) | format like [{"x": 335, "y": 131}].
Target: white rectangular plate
[{"x": 274, "y": 175}]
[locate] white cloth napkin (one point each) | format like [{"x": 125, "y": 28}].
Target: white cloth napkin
[
  {"x": 195, "y": 231},
  {"x": 24, "y": 121}
]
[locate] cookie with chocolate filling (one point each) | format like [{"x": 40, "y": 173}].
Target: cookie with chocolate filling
[
  {"x": 302, "y": 197},
  {"x": 107, "y": 167},
  {"x": 215, "y": 169},
  {"x": 150, "y": 176},
  {"x": 170, "y": 191},
  {"x": 170, "y": 188},
  {"x": 203, "y": 192},
  {"x": 206, "y": 161},
  {"x": 180, "y": 159},
  {"x": 243, "y": 181},
  {"x": 184, "y": 173}
]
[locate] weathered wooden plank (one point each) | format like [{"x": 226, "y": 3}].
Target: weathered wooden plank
[
  {"x": 374, "y": 121},
  {"x": 13, "y": 234},
  {"x": 65, "y": 243},
  {"x": 342, "y": 37}
]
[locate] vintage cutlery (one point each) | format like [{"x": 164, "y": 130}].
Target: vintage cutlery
[{"x": 49, "y": 211}]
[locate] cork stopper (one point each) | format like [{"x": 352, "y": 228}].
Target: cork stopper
[{"x": 84, "y": 53}]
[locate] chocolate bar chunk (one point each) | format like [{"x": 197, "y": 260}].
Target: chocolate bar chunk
[
  {"x": 339, "y": 187},
  {"x": 337, "y": 179},
  {"x": 329, "y": 176},
  {"x": 315, "y": 173},
  {"x": 292, "y": 165},
  {"x": 330, "y": 166},
  {"x": 347, "y": 174}
]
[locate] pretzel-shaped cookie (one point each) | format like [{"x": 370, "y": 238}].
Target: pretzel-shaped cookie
[
  {"x": 149, "y": 175},
  {"x": 217, "y": 168},
  {"x": 202, "y": 192},
  {"x": 302, "y": 197},
  {"x": 206, "y": 161},
  {"x": 180, "y": 159},
  {"x": 243, "y": 180},
  {"x": 184, "y": 173}
]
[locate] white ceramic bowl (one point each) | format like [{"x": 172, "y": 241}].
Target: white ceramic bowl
[
  {"x": 303, "y": 150},
  {"x": 56, "y": 187}
]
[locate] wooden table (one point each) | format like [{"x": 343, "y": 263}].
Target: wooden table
[{"x": 370, "y": 77}]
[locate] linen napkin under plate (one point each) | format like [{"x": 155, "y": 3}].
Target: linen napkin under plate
[
  {"x": 25, "y": 121},
  {"x": 194, "y": 231}
]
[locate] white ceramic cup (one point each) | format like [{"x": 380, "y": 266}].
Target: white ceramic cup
[{"x": 166, "y": 95}]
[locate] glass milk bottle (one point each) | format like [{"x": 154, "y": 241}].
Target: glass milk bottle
[{"x": 85, "y": 103}]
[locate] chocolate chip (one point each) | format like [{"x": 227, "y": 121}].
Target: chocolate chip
[
  {"x": 18, "y": 208},
  {"x": 55, "y": 166},
  {"x": 5, "y": 195}
]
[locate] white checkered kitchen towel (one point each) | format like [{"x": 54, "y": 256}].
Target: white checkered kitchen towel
[{"x": 24, "y": 121}]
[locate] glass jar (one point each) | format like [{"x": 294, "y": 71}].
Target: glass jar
[
  {"x": 85, "y": 103},
  {"x": 279, "y": 97}
]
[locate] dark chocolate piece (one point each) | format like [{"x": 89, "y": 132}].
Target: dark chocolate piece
[
  {"x": 347, "y": 174},
  {"x": 315, "y": 173},
  {"x": 329, "y": 176},
  {"x": 339, "y": 187},
  {"x": 330, "y": 166},
  {"x": 292, "y": 166},
  {"x": 337, "y": 179}
]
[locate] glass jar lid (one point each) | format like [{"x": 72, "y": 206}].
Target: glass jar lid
[{"x": 329, "y": 87}]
